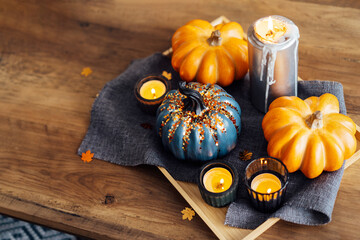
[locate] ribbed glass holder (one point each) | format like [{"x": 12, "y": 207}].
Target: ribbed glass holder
[
  {"x": 266, "y": 202},
  {"x": 150, "y": 105},
  {"x": 223, "y": 198}
]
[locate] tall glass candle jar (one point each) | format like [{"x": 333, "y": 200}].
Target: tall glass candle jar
[{"x": 273, "y": 60}]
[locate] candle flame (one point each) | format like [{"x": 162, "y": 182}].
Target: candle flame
[
  {"x": 221, "y": 181},
  {"x": 270, "y": 32},
  {"x": 270, "y": 24},
  {"x": 269, "y": 190},
  {"x": 153, "y": 92}
]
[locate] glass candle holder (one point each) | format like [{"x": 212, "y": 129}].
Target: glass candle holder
[
  {"x": 150, "y": 92},
  {"x": 266, "y": 181},
  {"x": 218, "y": 183}
]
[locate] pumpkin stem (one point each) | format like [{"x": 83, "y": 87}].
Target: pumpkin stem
[
  {"x": 315, "y": 120},
  {"x": 215, "y": 38},
  {"x": 193, "y": 101}
]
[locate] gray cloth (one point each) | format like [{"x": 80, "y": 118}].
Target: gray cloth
[{"x": 115, "y": 135}]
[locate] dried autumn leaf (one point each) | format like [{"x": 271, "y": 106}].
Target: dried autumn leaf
[
  {"x": 188, "y": 213},
  {"x": 87, "y": 157},
  {"x": 109, "y": 199},
  {"x": 167, "y": 75},
  {"x": 146, "y": 125},
  {"x": 245, "y": 155},
  {"x": 86, "y": 71}
]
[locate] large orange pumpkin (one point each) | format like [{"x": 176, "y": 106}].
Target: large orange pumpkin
[
  {"x": 309, "y": 135},
  {"x": 210, "y": 54}
]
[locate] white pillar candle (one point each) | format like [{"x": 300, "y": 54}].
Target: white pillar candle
[{"x": 273, "y": 60}]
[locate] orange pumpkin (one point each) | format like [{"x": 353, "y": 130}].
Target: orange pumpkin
[
  {"x": 210, "y": 54},
  {"x": 309, "y": 135}
]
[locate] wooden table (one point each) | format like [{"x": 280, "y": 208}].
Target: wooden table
[{"x": 45, "y": 109}]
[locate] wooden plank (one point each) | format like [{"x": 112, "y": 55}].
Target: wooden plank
[{"x": 215, "y": 217}]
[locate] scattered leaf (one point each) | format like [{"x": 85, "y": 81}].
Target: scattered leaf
[
  {"x": 87, "y": 157},
  {"x": 146, "y": 125},
  {"x": 86, "y": 71},
  {"x": 167, "y": 75},
  {"x": 245, "y": 155},
  {"x": 188, "y": 213},
  {"x": 109, "y": 199}
]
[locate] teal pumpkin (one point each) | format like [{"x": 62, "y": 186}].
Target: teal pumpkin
[{"x": 198, "y": 122}]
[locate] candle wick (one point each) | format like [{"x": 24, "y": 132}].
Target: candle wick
[{"x": 269, "y": 33}]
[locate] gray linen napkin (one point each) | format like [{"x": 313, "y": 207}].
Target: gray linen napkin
[{"x": 115, "y": 135}]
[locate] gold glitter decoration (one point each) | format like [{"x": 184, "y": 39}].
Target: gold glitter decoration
[{"x": 210, "y": 118}]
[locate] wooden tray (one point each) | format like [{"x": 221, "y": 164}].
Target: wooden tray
[{"x": 215, "y": 217}]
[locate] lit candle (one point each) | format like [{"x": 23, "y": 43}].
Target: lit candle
[
  {"x": 150, "y": 92},
  {"x": 266, "y": 183},
  {"x": 152, "y": 89},
  {"x": 270, "y": 30},
  {"x": 218, "y": 183},
  {"x": 273, "y": 60},
  {"x": 217, "y": 180},
  {"x": 266, "y": 180}
]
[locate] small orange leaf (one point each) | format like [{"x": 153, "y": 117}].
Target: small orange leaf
[
  {"x": 245, "y": 155},
  {"x": 188, "y": 213},
  {"x": 167, "y": 75},
  {"x": 86, "y": 71},
  {"x": 87, "y": 157}
]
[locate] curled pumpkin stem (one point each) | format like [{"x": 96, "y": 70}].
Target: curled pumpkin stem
[
  {"x": 315, "y": 120},
  {"x": 215, "y": 38},
  {"x": 193, "y": 101}
]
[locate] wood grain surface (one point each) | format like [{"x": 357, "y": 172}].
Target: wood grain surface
[{"x": 45, "y": 109}]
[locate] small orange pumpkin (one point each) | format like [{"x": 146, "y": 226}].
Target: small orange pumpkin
[
  {"x": 309, "y": 135},
  {"x": 210, "y": 54}
]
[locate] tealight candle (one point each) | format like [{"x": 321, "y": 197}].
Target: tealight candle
[
  {"x": 152, "y": 89},
  {"x": 266, "y": 180},
  {"x": 217, "y": 180},
  {"x": 218, "y": 183},
  {"x": 266, "y": 183},
  {"x": 150, "y": 92},
  {"x": 273, "y": 60}
]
